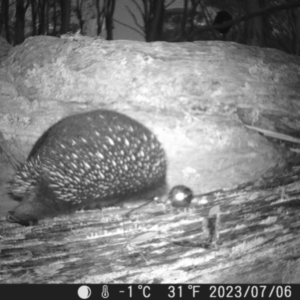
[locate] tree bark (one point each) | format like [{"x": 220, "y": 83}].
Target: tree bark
[
  {"x": 65, "y": 15},
  {"x": 20, "y": 22},
  {"x": 259, "y": 238},
  {"x": 41, "y": 10},
  {"x": 196, "y": 97},
  {"x": 33, "y": 15},
  {"x": 155, "y": 18},
  {"x": 109, "y": 19},
  {"x": 254, "y": 27}
]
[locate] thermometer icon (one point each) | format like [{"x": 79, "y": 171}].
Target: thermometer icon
[{"x": 105, "y": 293}]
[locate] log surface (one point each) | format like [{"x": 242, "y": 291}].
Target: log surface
[
  {"x": 196, "y": 97},
  {"x": 259, "y": 241}
]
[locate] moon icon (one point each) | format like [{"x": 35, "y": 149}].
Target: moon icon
[{"x": 84, "y": 292}]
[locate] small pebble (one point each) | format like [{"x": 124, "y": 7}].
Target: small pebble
[{"x": 180, "y": 196}]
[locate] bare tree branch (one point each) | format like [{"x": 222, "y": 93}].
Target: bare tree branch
[
  {"x": 170, "y": 3},
  {"x": 134, "y": 18},
  {"x": 128, "y": 26},
  {"x": 138, "y": 7}
]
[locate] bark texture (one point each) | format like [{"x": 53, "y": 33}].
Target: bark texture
[
  {"x": 259, "y": 239},
  {"x": 196, "y": 97}
]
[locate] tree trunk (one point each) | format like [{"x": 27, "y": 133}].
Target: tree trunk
[
  {"x": 155, "y": 21},
  {"x": 78, "y": 11},
  {"x": 65, "y": 15},
  {"x": 20, "y": 22},
  {"x": 254, "y": 27},
  {"x": 47, "y": 17},
  {"x": 33, "y": 14},
  {"x": 54, "y": 32},
  {"x": 41, "y": 10},
  {"x": 109, "y": 19},
  {"x": 6, "y": 19}
]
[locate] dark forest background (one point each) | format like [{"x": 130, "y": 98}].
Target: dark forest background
[{"x": 264, "y": 23}]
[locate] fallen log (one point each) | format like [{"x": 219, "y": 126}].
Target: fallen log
[
  {"x": 196, "y": 97},
  {"x": 199, "y": 111},
  {"x": 259, "y": 239}
]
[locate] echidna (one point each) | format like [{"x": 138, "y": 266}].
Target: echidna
[{"x": 88, "y": 160}]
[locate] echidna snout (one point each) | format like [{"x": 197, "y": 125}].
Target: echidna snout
[
  {"x": 36, "y": 204},
  {"x": 22, "y": 218}
]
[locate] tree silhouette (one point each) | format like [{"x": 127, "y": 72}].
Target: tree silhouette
[{"x": 20, "y": 22}]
